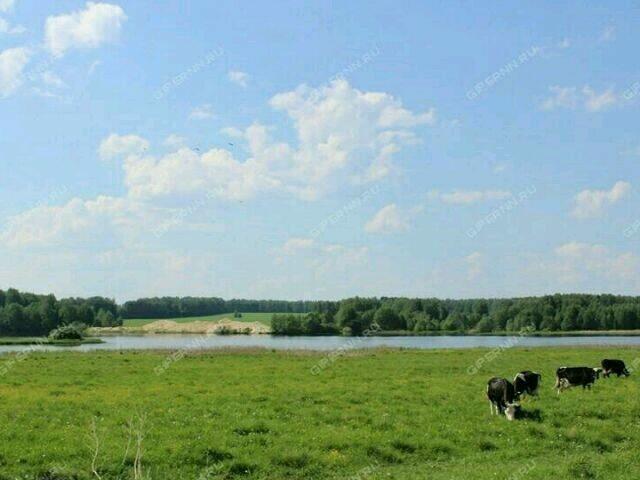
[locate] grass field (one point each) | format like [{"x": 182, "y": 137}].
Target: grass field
[
  {"x": 246, "y": 317},
  {"x": 262, "y": 415}
]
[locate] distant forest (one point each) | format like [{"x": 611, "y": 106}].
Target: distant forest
[
  {"x": 569, "y": 312},
  {"x": 28, "y": 314},
  {"x": 23, "y": 314}
]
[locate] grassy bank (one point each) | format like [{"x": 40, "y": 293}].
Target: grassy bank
[
  {"x": 246, "y": 317},
  {"x": 45, "y": 341},
  {"x": 263, "y": 415}
]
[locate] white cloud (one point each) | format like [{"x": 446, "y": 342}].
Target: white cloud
[
  {"x": 339, "y": 133},
  {"x": 588, "y": 98},
  {"x": 122, "y": 145},
  {"x": 576, "y": 260},
  {"x": 97, "y": 24},
  {"x": 6, "y": 5},
  {"x": 344, "y": 136},
  {"x": 607, "y": 34},
  {"x": 338, "y": 125},
  {"x": 202, "y": 112},
  {"x": 293, "y": 245},
  {"x": 595, "y": 102},
  {"x": 12, "y": 63},
  {"x": 563, "y": 97},
  {"x": 389, "y": 219},
  {"x": 468, "y": 197},
  {"x": 320, "y": 258},
  {"x": 52, "y": 80},
  {"x": 5, "y": 27},
  {"x": 565, "y": 43},
  {"x": 591, "y": 203},
  {"x": 174, "y": 141},
  {"x": 232, "y": 132},
  {"x": 239, "y": 78},
  {"x": 334, "y": 258},
  {"x": 77, "y": 219}
]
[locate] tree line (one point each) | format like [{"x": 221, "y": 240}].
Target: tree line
[
  {"x": 568, "y": 312},
  {"x": 28, "y": 314},
  {"x": 24, "y": 314},
  {"x": 176, "y": 307}
]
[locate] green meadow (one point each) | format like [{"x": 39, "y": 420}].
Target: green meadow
[
  {"x": 246, "y": 317},
  {"x": 259, "y": 414}
]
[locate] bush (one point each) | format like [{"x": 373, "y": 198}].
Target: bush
[{"x": 75, "y": 331}]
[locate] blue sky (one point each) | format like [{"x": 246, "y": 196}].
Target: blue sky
[{"x": 293, "y": 150}]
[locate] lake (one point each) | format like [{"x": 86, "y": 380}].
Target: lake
[{"x": 186, "y": 341}]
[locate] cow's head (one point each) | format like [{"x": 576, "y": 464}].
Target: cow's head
[
  {"x": 511, "y": 410},
  {"x": 597, "y": 371}
]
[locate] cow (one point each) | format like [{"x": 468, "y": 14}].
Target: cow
[
  {"x": 614, "y": 366},
  {"x": 567, "y": 377},
  {"x": 527, "y": 383},
  {"x": 502, "y": 396}
]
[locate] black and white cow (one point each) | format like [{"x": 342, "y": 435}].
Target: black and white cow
[
  {"x": 567, "y": 377},
  {"x": 502, "y": 396},
  {"x": 527, "y": 383},
  {"x": 614, "y": 366}
]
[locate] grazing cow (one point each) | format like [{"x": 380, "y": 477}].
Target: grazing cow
[
  {"x": 614, "y": 366},
  {"x": 502, "y": 396},
  {"x": 567, "y": 377},
  {"x": 527, "y": 383}
]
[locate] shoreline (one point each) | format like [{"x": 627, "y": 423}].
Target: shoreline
[
  {"x": 18, "y": 341},
  {"x": 128, "y": 331}
]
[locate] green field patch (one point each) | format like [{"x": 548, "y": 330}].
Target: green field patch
[{"x": 382, "y": 414}]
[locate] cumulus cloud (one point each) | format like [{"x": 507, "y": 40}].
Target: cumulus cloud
[
  {"x": 77, "y": 219},
  {"x": 121, "y": 146},
  {"x": 468, "y": 197},
  {"x": 345, "y": 137},
  {"x": 587, "y": 98},
  {"x": 202, "y": 112},
  {"x": 12, "y": 64},
  {"x": 239, "y": 78},
  {"x": 340, "y": 133},
  {"x": 591, "y": 203},
  {"x": 576, "y": 261},
  {"x": 97, "y": 24},
  {"x": 389, "y": 219}
]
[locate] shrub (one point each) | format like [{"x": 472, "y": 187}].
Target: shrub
[{"x": 74, "y": 331}]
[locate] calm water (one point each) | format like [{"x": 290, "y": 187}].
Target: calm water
[{"x": 178, "y": 342}]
